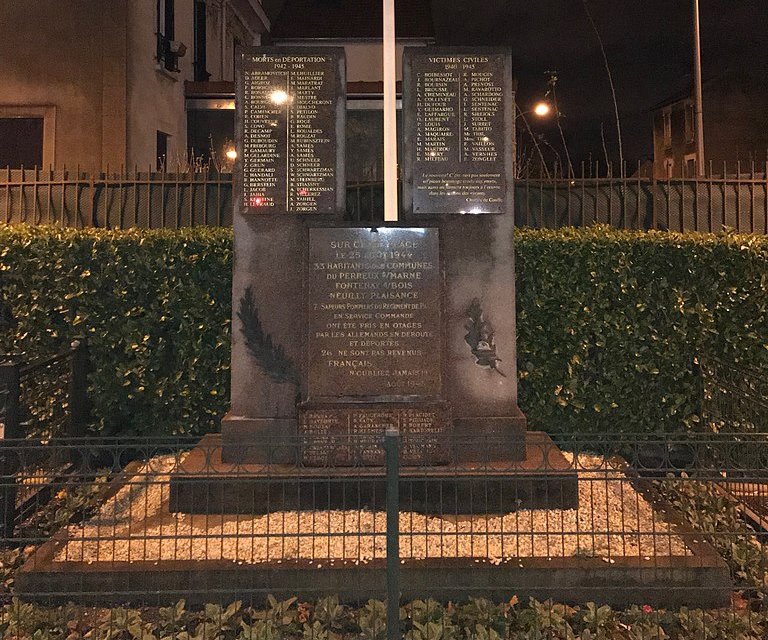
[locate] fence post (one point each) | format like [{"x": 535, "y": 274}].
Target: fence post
[
  {"x": 10, "y": 378},
  {"x": 79, "y": 406},
  {"x": 392, "y": 452}
]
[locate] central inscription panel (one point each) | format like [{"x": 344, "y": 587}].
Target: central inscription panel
[
  {"x": 374, "y": 312},
  {"x": 291, "y": 130},
  {"x": 456, "y": 112}
]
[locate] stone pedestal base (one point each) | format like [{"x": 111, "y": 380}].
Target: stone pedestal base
[{"x": 205, "y": 484}]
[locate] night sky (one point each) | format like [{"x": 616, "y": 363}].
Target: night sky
[{"x": 648, "y": 45}]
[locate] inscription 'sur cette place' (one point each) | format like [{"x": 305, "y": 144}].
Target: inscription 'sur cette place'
[
  {"x": 289, "y": 133},
  {"x": 457, "y": 107},
  {"x": 374, "y": 312}
]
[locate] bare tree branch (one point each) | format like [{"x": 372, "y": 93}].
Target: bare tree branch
[{"x": 610, "y": 81}]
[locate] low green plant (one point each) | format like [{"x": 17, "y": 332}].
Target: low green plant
[
  {"x": 69, "y": 503},
  {"x": 420, "y": 620},
  {"x": 373, "y": 620},
  {"x": 715, "y": 514}
]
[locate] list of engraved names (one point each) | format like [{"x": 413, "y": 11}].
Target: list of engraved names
[
  {"x": 459, "y": 133},
  {"x": 289, "y": 133},
  {"x": 374, "y": 312}
]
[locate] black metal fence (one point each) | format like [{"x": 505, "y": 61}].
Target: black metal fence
[
  {"x": 148, "y": 522},
  {"x": 621, "y": 536},
  {"x": 171, "y": 200},
  {"x": 156, "y": 200},
  {"x": 42, "y": 401}
]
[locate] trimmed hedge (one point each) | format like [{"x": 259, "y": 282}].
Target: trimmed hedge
[
  {"x": 154, "y": 306},
  {"x": 609, "y": 322}
]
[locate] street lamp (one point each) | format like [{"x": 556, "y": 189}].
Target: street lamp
[{"x": 541, "y": 109}]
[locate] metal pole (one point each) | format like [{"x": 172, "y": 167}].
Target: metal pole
[
  {"x": 390, "y": 112},
  {"x": 10, "y": 379},
  {"x": 697, "y": 91},
  {"x": 392, "y": 453}
]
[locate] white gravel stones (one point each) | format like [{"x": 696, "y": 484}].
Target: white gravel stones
[{"x": 612, "y": 520}]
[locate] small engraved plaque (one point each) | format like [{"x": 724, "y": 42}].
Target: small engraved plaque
[
  {"x": 351, "y": 435},
  {"x": 456, "y": 113},
  {"x": 290, "y": 127}
]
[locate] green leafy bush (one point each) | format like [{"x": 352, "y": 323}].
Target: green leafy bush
[
  {"x": 153, "y": 305},
  {"x": 609, "y": 322}
]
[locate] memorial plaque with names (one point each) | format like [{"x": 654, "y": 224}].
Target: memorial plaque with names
[
  {"x": 291, "y": 130},
  {"x": 351, "y": 434},
  {"x": 374, "y": 316},
  {"x": 458, "y": 106}
]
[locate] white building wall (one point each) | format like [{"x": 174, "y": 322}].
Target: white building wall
[
  {"x": 364, "y": 61},
  {"x": 155, "y": 95}
]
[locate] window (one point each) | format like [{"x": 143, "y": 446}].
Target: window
[
  {"x": 162, "y": 150},
  {"x": 364, "y": 139},
  {"x": 690, "y": 122},
  {"x": 21, "y": 142},
  {"x": 201, "y": 42},
  {"x": 669, "y": 167},
  {"x": 690, "y": 165},
  {"x": 235, "y": 46},
  {"x": 667, "y": 118},
  {"x": 165, "y": 35}
]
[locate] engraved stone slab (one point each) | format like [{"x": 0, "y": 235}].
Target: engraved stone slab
[
  {"x": 291, "y": 130},
  {"x": 374, "y": 314},
  {"x": 458, "y": 111},
  {"x": 351, "y": 434}
]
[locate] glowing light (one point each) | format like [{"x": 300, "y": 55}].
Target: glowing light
[
  {"x": 231, "y": 153},
  {"x": 278, "y": 96},
  {"x": 419, "y": 230},
  {"x": 256, "y": 201},
  {"x": 542, "y": 109},
  {"x": 432, "y": 154}
]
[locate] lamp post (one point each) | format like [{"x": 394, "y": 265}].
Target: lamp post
[{"x": 697, "y": 91}]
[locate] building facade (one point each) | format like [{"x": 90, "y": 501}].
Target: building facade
[
  {"x": 356, "y": 25},
  {"x": 735, "y": 111},
  {"x": 104, "y": 84}
]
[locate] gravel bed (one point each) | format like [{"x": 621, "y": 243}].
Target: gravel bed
[{"x": 611, "y": 520}]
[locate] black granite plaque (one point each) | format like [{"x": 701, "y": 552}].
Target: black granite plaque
[
  {"x": 291, "y": 130},
  {"x": 352, "y": 434},
  {"x": 458, "y": 110},
  {"x": 374, "y": 316}
]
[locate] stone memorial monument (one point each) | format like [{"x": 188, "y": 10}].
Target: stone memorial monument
[{"x": 341, "y": 331}]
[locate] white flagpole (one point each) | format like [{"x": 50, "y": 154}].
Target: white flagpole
[
  {"x": 699, "y": 125},
  {"x": 390, "y": 113}
]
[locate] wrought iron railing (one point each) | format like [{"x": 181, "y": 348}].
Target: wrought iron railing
[
  {"x": 193, "y": 196},
  {"x": 43, "y": 400}
]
